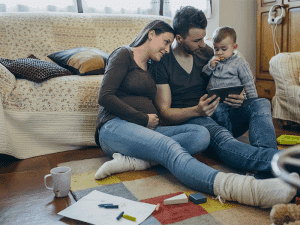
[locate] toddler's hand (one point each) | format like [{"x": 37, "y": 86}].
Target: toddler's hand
[{"x": 214, "y": 61}]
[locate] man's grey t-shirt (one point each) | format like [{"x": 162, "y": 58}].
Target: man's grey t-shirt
[{"x": 186, "y": 88}]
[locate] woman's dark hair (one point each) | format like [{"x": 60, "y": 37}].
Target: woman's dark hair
[
  {"x": 158, "y": 26},
  {"x": 186, "y": 18}
]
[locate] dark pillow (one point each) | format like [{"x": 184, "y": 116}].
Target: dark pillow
[
  {"x": 34, "y": 69},
  {"x": 81, "y": 61},
  {"x": 32, "y": 56}
]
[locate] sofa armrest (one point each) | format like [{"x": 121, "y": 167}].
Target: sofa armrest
[
  {"x": 285, "y": 69},
  {"x": 7, "y": 81}
]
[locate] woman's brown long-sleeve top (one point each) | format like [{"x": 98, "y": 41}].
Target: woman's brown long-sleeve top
[{"x": 126, "y": 91}]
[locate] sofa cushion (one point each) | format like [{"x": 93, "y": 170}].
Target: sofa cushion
[
  {"x": 81, "y": 61},
  {"x": 34, "y": 69}
]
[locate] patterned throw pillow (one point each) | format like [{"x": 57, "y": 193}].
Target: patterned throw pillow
[
  {"x": 81, "y": 61},
  {"x": 34, "y": 69},
  {"x": 32, "y": 56}
]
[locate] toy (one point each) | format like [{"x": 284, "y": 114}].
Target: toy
[
  {"x": 198, "y": 198},
  {"x": 178, "y": 199},
  {"x": 288, "y": 140},
  {"x": 282, "y": 214}
]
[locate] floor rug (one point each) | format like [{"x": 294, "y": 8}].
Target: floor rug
[{"x": 156, "y": 184}]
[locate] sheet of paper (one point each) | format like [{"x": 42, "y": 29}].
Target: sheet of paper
[{"x": 87, "y": 210}]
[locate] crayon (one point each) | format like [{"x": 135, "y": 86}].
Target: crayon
[
  {"x": 120, "y": 215},
  {"x": 129, "y": 217},
  {"x": 102, "y": 205},
  {"x": 111, "y": 206},
  {"x": 157, "y": 207}
]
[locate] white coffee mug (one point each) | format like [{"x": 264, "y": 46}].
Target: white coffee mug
[{"x": 61, "y": 180}]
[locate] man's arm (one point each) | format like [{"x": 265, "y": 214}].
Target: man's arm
[{"x": 163, "y": 101}]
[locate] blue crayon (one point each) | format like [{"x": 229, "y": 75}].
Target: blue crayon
[
  {"x": 120, "y": 215},
  {"x": 102, "y": 205},
  {"x": 111, "y": 206}
]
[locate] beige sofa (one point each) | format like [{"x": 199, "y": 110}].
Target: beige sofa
[
  {"x": 285, "y": 69},
  {"x": 58, "y": 114}
]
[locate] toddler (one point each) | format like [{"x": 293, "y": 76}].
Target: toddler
[{"x": 227, "y": 69}]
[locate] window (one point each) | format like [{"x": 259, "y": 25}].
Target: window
[
  {"x": 171, "y": 6},
  {"x": 38, "y": 5},
  {"x": 149, "y": 7}
]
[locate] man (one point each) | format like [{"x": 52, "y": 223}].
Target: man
[{"x": 180, "y": 86}]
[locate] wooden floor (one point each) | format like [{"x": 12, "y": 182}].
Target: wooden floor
[{"x": 24, "y": 198}]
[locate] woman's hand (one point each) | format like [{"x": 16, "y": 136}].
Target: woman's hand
[
  {"x": 235, "y": 100},
  {"x": 153, "y": 121}
]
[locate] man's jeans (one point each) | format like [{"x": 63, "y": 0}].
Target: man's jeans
[
  {"x": 255, "y": 115},
  {"x": 170, "y": 146}
]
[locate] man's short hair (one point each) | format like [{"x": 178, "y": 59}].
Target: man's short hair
[
  {"x": 186, "y": 18},
  {"x": 222, "y": 32}
]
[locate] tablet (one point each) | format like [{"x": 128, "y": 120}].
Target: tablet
[{"x": 224, "y": 92}]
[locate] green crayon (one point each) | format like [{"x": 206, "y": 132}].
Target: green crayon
[{"x": 129, "y": 217}]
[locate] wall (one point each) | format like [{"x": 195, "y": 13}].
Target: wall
[{"x": 241, "y": 15}]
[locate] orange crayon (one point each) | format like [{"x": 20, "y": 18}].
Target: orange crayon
[{"x": 157, "y": 207}]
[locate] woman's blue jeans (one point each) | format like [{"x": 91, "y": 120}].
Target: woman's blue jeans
[
  {"x": 254, "y": 115},
  {"x": 170, "y": 146}
]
